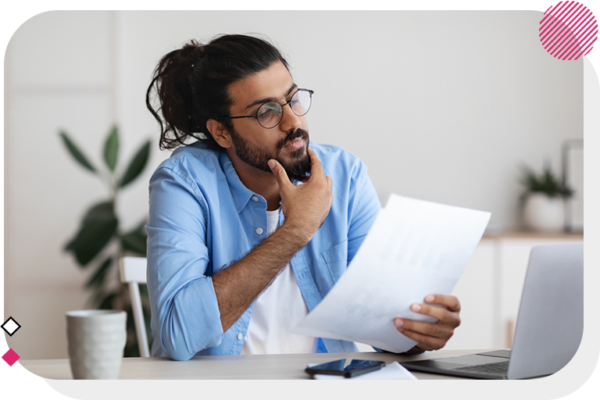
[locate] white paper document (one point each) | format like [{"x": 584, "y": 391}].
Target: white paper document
[{"x": 414, "y": 248}]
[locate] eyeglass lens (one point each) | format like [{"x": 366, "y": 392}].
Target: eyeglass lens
[{"x": 269, "y": 114}]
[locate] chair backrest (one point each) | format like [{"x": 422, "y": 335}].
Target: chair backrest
[{"x": 133, "y": 272}]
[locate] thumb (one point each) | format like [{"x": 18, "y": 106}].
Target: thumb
[{"x": 280, "y": 174}]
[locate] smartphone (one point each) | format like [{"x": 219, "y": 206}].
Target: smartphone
[{"x": 346, "y": 367}]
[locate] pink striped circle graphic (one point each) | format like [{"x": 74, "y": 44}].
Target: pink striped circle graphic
[{"x": 568, "y": 30}]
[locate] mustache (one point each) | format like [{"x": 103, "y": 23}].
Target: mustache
[{"x": 293, "y": 135}]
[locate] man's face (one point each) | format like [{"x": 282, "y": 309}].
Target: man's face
[{"x": 255, "y": 145}]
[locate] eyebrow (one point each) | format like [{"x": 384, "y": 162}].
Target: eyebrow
[{"x": 265, "y": 100}]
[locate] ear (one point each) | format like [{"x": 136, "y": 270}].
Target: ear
[{"x": 219, "y": 133}]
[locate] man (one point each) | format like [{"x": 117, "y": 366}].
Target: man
[{"x": 251, "y": 225}]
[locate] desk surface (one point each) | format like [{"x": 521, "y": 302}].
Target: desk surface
[{"x": 279, "y": 366}]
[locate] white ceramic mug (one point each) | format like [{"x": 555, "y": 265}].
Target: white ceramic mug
[{"x": 96, "y": 340}]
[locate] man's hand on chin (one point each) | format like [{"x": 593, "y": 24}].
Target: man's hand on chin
[{"x": 428, "y": 335}]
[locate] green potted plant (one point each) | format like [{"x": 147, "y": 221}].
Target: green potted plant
[
  {"x": 544, "y": 200},
  {"x": 99, "y": 242}
]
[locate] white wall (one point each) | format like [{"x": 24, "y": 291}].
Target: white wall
[
  {"x": 57, "y": 76},
  {"x": 442, "y": 106}
]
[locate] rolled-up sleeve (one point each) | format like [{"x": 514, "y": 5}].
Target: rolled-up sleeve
[{"x": 185, "y": 312}]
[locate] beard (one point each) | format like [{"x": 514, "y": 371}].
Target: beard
[{"x": 296, "y": 169}]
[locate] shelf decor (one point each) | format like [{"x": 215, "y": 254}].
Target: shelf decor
[{"x": 544, "y": 200}]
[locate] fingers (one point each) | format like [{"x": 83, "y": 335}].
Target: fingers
[
  {"x": 316, "y": 168},
  {"x": 424, "y": 328},
  {"x": 279, "y": 173},
  {"x": 451, "y": 302},
  {"x": 440, "y": 313},
  {"x": 432, "y": 336},
  {"x": 450, "y": 306},
  {"x": 427, "y": 335}
]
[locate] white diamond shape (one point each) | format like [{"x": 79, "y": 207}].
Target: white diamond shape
[{"x": 10, "y": 326}]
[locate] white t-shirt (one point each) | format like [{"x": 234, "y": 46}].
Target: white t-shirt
[{"x": 277, "y": 310}]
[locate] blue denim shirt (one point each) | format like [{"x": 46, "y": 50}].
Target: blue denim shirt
[{"x": 203, "y": 219}]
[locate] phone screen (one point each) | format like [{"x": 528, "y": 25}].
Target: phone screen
[{"x": 346, "y": 367}]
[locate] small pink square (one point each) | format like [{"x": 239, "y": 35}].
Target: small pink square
[{"x": 11, "y": 357}]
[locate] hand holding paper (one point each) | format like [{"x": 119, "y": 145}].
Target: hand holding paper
[
  {"x": 415, "y": 248},
  {"x": 432, "y": 336}
]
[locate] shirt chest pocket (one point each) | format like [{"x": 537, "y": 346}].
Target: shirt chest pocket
[{"x": 336, "y": 259}]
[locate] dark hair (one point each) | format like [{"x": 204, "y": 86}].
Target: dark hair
[{"x": 192, "y": 84}]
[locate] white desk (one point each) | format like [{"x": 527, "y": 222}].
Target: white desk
[{"x": 284, "y": 366}]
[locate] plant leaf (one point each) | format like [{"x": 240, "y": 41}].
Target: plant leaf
[
  {"x": 134, "y": 242},
  {"x": 546, "y": 182},
  {"x": 98, "y": 277},
  {"x": 97, "y": 229},
  {"x": 108, "y": 302},
  {"x": 137, "y": 165},
  {"x": 92, "y": 238},
  {"x": 111, "y": 148},
  {"x": 76, "y": 153},
  {"x": 101, "y": 210}
]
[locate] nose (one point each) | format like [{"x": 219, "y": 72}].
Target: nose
[{"x": 289, "y": 120}]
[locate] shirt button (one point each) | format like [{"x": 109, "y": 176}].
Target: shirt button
[
  {"x": 259, "y": 231},
  {"x": 240, "y": 336},
  {"x": 254, "y": 198}
]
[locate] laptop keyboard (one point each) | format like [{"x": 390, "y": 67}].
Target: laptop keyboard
[{"x": 489, "y": 369}]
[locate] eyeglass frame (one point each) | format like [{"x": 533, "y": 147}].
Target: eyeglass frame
[{"x": 282, "y": 105}]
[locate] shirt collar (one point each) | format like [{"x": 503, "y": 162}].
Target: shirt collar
[{"x": 241, "y": 194}]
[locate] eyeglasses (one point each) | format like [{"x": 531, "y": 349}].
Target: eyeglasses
[{"x": 269, "y": 114}]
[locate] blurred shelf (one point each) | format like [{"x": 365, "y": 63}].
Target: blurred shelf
[{"x": 534, "y": 235}]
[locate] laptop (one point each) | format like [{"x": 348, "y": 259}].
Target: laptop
[{"x": 549, "y": 326}]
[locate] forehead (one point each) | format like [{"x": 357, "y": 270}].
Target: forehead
[{"x": 273, "y": 82}]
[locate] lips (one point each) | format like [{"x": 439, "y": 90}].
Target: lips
[
  {"x": 294, "y": 140},
  {"x": 295, "y": 144}
]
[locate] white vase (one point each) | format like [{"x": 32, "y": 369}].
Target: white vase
[{"x": 544, "y": 214}]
